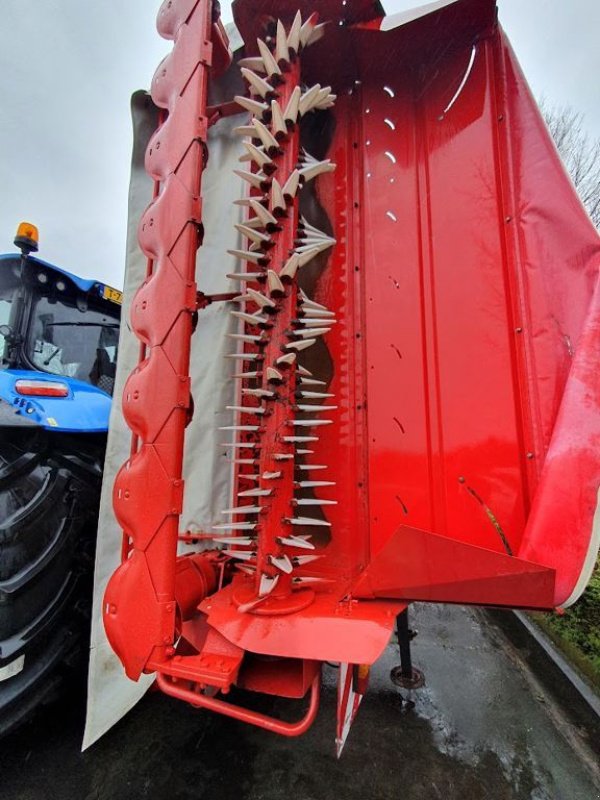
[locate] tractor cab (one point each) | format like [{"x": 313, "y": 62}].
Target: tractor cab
[
  {"x": 58, "y": 351},
  {"x": 56, "y": 323}
]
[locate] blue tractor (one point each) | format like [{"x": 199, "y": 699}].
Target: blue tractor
[{"x": 58, "y": 349}]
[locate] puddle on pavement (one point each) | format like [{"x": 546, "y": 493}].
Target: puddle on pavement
[{"x": 477, "y": 732}]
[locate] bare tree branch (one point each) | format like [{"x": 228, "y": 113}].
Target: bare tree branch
[{"x": 580, "y": 154}]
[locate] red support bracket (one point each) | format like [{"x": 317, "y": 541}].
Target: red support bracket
[
  {"x": 419, "y": 565},
  {"x": 205, "y": 300},
  {"x": 244, "y": 714}
]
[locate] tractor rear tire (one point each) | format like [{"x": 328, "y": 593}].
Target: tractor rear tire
[{"x": 49, "y": 497}]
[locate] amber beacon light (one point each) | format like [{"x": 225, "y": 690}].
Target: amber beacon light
[{"x": 27, "y": 238}]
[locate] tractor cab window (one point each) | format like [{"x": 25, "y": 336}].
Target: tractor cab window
[
  {"x": 8, "y": 285},
  {"x": 5, "y": 305},
  {"x": 76, "y": 342}
]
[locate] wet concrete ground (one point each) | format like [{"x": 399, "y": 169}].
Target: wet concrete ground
[{"x": 485, "y": 726}]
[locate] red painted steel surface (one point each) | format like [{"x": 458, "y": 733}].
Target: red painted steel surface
[
  {"x": 418, "y": 565},
  {"x": 330, "y": 627},
  {"x": 148, "y": 491},
  {"x": 283, "y": 677},
  {"x": 476, "y": 291},
  {"x": 246, "y": 715},
  {"x": 462, "y": 366}
]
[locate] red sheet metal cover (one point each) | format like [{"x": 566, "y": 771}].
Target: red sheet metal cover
[
  {"x": 481, "y": 327},
  {"x": 462, "y": 279}
]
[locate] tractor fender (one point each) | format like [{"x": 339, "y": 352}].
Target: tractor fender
[{"x": 85, "y": 408}]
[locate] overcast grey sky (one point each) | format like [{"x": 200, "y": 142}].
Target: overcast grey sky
[{"x": 68, "y": 68}]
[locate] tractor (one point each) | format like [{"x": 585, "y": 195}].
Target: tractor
[{"x": 58, "y": 349}]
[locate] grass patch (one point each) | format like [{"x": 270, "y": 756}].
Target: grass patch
[{"x": 577, "y": 631}]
